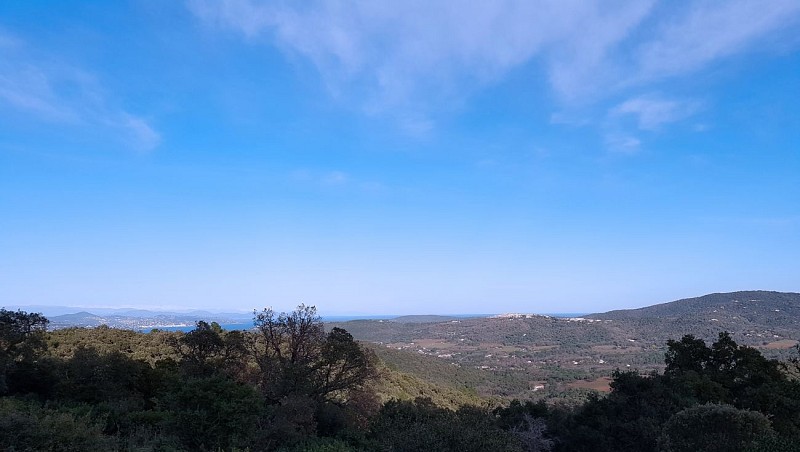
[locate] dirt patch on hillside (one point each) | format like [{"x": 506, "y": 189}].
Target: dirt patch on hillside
[
  {"x": 599, "y": 384},
  {"x": 780, "y": 345}
]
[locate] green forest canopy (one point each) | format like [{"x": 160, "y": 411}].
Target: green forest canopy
[{"x": 291, "y": 385}]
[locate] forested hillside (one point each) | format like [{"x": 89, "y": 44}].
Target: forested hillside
[
  {"x": 757, "y": 306},
  {"x": 294, "y": 384},
  {"x": 535, "y": 356}
]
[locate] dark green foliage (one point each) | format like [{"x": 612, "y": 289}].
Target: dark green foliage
[
  {"x": 528, "y": 423},
  {"x": 25, "y": 426},
  {"x": 532, "y": 433},
  {"x": 212, "y": 413},
  {"x": 21, "y": 339},
  {"x": 687, "y": 355},
  {"x": 632, "y": 417},
  {"x": 421, "y": 425},
  {"x": 321, "y": 445},
  {"x": 201, "y": 349},
  {"x": 89, "y": 377},
  {"x": 203, "y": 390},
  {"x": 291, "y": 422},
  {"x": 774, "y": 444},
  {"x": 341, "y": 363},
  {"x": 512, "y": 415},
  {"x": 629, "y": 419},
  {"x": 735, "y": 375},
  {"x": 292, "y": 386},
  {"x": 38, "y": 376},
  {"x": 714, "y": 428},
  {"x": 21, "y": 333}
]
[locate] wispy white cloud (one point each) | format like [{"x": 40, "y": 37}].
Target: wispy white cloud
[
  {"x": 55, "y": 92},
  {"x": 412, "y": 60},
  {"x": 654, "y": 111},
  {"x": 585, "y": 61},
  {"x": 401, "y": 48},
  {"x": 707, "y": 31},
  {"x": 415, "y": 54},
  {"x": 622, "y": 143},
  {"x": 139, "y": 132},
  {"x": 27, "y": 88}
]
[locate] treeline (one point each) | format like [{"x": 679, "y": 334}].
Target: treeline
[{"x": 289, "y": 385}]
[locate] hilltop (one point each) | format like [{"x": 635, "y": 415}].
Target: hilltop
[{"x": 754, "y": 306}]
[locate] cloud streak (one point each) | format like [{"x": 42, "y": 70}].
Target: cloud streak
[
  {"x": 652, "y": 112},
  {"x": 709, "y": 31},
  {"x": 396, "y": 54},
  {"x": 59, "y": 93},
  {"x": 415, "y": 54},
  {"x": 622, "y": 144},
  {"x": 415, "y": 61}
]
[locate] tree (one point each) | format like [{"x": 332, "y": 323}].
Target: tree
[
  {"x": 286, "y": 347},
  {"x": 421, "y": 425},
  {"x": 344, "y": 365},
  {"x": 687, "y": 355},
  {"x": 209, "y": 349},
  {"x": 713, "y": 428},
  {"x": 201, "y": 348},
  {"x": 213, "y": 413},
  {"x": 729, "y": 373},
  {"x": 295, "y": 356},
  {"x": 27, "y": 426},
  {"x": 532, "y": 433},
  {"x": 21, "y": 333},
  {"x": 21, "y": 338},
  {"x": 527, "y": 422},
  {"x": 634, "y": 415}
]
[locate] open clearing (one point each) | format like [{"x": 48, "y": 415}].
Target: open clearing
[
  {"x": 781, "y": 344},
  {"x": 599, "y": 384}
]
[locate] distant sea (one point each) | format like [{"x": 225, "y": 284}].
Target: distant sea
[
  {"x": 345, "y": 318},
  {"x": 249, "y": 325},
  {"x": 567, "y": 315},
  {"x": 186, "y": 329}
]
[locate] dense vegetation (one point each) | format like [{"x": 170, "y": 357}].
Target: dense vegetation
[
  {"x": 565, "y": 358},
  {"x": 290, "y": 385}
]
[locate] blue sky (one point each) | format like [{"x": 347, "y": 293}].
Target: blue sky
[{"x": 397, "y": 157}]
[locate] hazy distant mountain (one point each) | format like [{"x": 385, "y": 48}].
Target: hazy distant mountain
[
  {"x": 82, "y": 318},
  {"x": 139, "y": 319},
  {"x": 756, "y": 306},
  {"x": 746, "y": 311},
  {"x": 57, "y": 311},
  {"x": 48, "y": 311}
]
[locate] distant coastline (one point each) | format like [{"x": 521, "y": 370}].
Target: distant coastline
[{"x": 345, "y": 318}]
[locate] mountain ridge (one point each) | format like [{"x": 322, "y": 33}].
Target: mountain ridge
[{"x": 750, "y": 304}]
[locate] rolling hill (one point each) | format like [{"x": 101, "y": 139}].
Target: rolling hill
[
  {"x": 528, "y": 351},
  {"x": 754, "y": 306}
]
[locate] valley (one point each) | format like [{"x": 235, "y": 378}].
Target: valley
[{"x": 532, "y": 356}]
